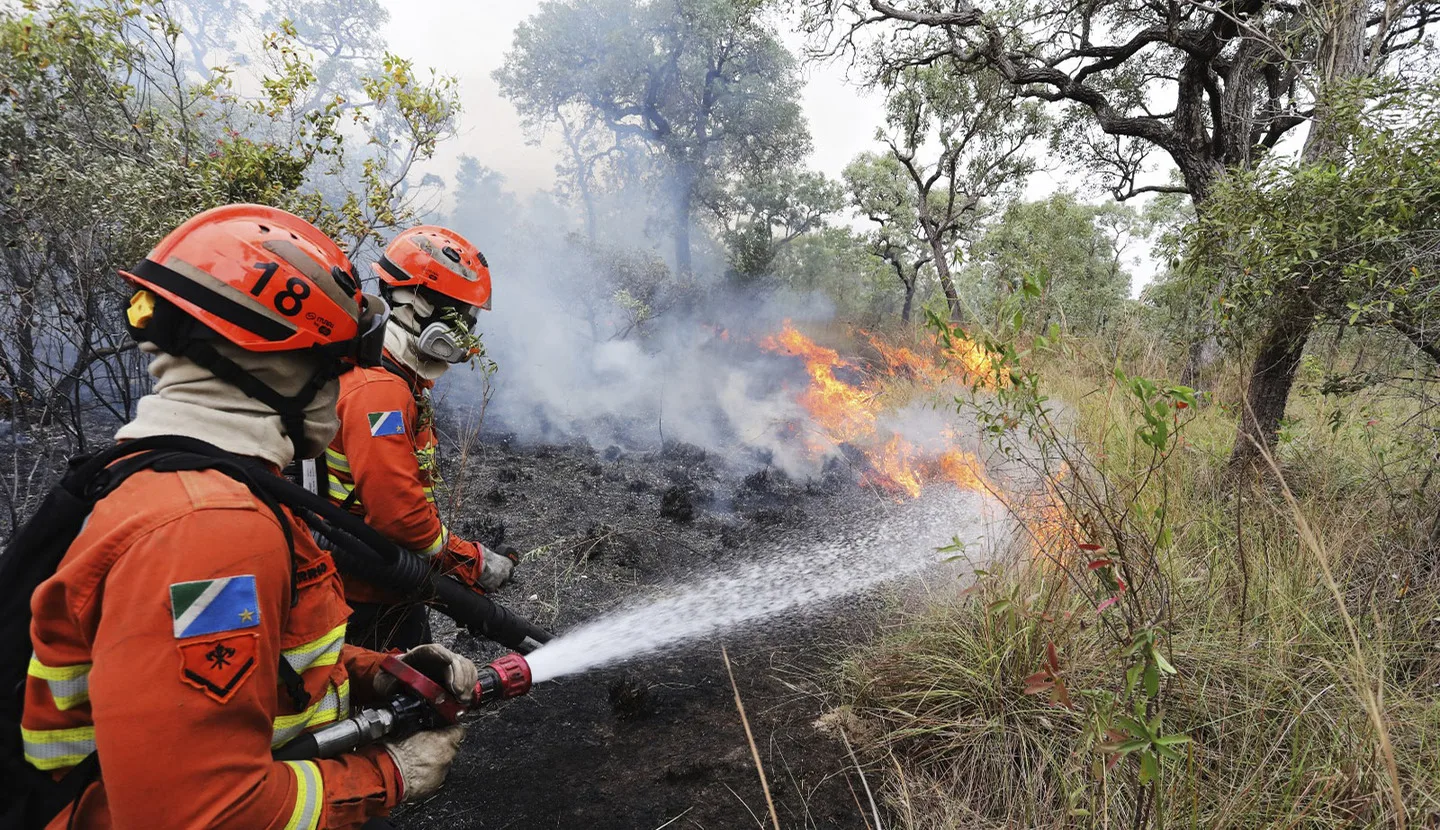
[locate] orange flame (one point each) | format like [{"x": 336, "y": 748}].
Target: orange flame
[{"x": 844, "y": 401}]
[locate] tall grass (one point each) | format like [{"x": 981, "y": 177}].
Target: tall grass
[{"x": 1300, "y": 608}]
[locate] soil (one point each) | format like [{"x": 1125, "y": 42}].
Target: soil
[{"x": 657, "y": 742}]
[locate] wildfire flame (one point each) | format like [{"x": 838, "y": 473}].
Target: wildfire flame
[{"x": 844, "y": 400}]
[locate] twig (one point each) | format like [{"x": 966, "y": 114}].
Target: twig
[
  {"x": 749, "y": 736},
  {"x": 869, "y": 796},
  {"x": 673, "y": 820}
]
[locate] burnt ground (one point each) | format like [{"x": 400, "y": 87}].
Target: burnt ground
[{"x": 657, "y": 742}]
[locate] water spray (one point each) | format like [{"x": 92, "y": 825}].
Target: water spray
[{"x": 901, "y": 542}]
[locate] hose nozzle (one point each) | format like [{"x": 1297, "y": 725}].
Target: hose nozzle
[{"x": 504, "y": 678}]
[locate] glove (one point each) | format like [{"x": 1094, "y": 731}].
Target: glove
[
  {"x": 423, "y": 759},
  {"x": 456, "y": 673},
  {"x": 496, "y": 568}
]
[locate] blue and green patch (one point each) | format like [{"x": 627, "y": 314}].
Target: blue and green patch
[
  {"x": 386, "y": 423},
  {"x": 212, "y": 606}
]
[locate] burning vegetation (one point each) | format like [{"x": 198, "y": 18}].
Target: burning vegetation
[{"x": 847, "y": 403}]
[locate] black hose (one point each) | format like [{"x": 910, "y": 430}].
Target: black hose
[
  {"x": 363, "y": 552},
  {"x": 302, "y": 748}
]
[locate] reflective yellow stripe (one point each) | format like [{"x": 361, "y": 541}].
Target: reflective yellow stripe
[
  {"x": 44, "y": 672},
  {"x": 324, "y": 651},
  {"x": 429, "y": 494},
  {"x": 339, "y": 490},
  {"x": 334, "y": 706},
  {"x": 309, "y": 789},
  {"x": 437, "y": 545},
  {"x": 337, "y": 461},
  {"x": 49, "y": 749},
  {"x": 69, "y": 685}
]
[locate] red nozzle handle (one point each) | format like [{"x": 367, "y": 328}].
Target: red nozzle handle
[{"x": 445, "y": 705}]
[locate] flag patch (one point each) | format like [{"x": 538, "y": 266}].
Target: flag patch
[
  {"x": 213, "y": 606},
  {"x": 386, "y": 423}
]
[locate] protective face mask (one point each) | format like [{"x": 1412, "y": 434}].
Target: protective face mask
[{"x": 439, "y": 342}]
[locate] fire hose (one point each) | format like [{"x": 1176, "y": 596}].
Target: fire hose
[
  {"x": 419, "y": 704},
  {"x": 361, "y": 551}
]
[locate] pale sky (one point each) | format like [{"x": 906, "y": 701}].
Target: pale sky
[{"x": 469, "y": 39}]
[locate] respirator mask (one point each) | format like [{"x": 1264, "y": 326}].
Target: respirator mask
[
  {"x": 440, "y": 324},
  {"x": 439, "y": 341}
]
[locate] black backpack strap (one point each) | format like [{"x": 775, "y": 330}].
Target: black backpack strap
[
  {"x": 393, "y": 367},
  {"x": 69, "y": 789}
]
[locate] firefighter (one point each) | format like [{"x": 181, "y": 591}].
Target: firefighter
[
  {"x": 181, "y": 639},
  {"x": 382, "y": 464}
]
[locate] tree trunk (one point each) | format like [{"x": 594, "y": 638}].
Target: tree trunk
[
  {"x": 909, "y": 301},
  {"x": 1271, "y": 378},
  {"x": 683, "y": 195},
  {"x": 942, "y": 269},
  {"x": 1341, "y": 58}
]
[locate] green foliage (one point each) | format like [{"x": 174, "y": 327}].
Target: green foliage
[
  {"x": 768, "y": 212},
  {"x": 836, "y": 262},
  {"x": 108, "y": 145},
  {"x": 1072, "y": 251},
  {"x": 704, "y": 85},
  {"x": 1355, "y": 239},
  {"x": 956, "y": 143}
]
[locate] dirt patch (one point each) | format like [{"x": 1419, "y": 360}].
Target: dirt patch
[{"x": 657, "y": 740}]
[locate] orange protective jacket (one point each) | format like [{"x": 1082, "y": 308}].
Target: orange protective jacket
[
  {"x": 158, "y": 643},
  {"x": 382, "y": 462}
]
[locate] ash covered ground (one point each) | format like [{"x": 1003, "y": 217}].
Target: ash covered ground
[{"x": 657, "y": 742}]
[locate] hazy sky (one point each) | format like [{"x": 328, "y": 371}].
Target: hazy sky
[{"x": 469, "y": 39}]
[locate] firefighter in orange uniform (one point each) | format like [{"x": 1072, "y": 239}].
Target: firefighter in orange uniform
[
  {"x": 382, "y": 463},
  {"x": 180, "y": 640}
]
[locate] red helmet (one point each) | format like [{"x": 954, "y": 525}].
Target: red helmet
[
  {"x": 262, "y": 278},
  {"x": 429, "y": 256},
  {"x": 267, "y": 281}
]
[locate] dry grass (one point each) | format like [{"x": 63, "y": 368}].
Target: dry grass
[{"x": 1303, "y": 619}]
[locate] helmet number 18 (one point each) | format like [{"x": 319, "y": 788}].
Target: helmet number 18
[{"x": 288, "y": 302}]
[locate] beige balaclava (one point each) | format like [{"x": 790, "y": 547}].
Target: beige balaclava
[
  {"x": 407, "y": 307},
  {"x": 189, "y": 400}
]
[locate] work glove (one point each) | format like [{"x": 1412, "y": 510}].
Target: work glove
[
  {"x": 496, "y": 567},
  {"x": 456, "y": 673},
  {"x": 423, "y": 759}
]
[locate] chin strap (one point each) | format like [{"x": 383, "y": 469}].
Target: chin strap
[{"x": 291, "y": 409}]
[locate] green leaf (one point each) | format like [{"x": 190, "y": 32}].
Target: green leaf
[
  {"x": 1152, "y": 680},
  {"x": 1162, "y": 662},
  {"x": 1149, "y": 767}
]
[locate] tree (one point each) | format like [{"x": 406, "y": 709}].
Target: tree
[
  {"x": 1242, "y": 76},
  {"x": 838, "y": 263},
  {"x": 703, "y": 84},
  {"x": 768, "y": 212},
  {"x": 106, "y": 148},
  {"x": 880, "y": 190},
  {"x": 1072, "y": 251},
  {"x": 979, "y": 130},
  {"x": 1351, "y": 240}
]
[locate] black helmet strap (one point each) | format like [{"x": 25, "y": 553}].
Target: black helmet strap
[{"x": 179, "y": 334}]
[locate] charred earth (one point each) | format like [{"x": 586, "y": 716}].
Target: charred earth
[{"x": 657, "y": 740}]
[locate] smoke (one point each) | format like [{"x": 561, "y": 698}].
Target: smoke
[{"x": 600, "y": 341}]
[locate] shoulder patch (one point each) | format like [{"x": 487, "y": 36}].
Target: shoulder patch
[
  {"x": 219, "y": 666},
  {"x": 213, "y": 606},
  {"x": 386, "y": 423}
]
